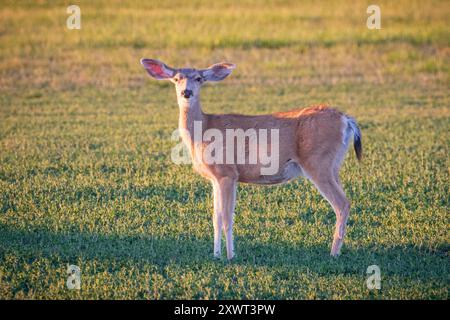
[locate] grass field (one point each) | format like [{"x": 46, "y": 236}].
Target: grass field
[{"x": 85, "y": 170}]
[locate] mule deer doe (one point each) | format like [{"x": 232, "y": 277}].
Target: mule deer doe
[{"x": 312, "y": 143}]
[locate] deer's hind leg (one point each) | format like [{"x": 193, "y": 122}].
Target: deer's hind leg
[{"x": 326, "y": 179}]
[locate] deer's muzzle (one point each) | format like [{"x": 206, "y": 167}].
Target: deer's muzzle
[{"x": 186, "y": 93}]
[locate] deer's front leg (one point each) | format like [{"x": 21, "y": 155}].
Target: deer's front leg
[
  {"x": 217, "y": 222},
  {"x": 224, "y": 204}
]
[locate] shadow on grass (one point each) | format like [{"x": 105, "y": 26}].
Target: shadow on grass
[{"x": 189, "y": 252}]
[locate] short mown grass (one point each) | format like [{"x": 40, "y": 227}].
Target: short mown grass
[{"x": 85, "y": 142}]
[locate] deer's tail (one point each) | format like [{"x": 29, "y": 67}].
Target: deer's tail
[{"x": 357, "y": 143}]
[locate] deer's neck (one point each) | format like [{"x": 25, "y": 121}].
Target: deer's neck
[{"x": 191, "y": 120}]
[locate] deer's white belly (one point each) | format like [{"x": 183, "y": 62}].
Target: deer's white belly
[{"x": 290, "y": 170}]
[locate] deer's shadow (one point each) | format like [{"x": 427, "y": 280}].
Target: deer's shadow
[{"x": 190, "y": 251}]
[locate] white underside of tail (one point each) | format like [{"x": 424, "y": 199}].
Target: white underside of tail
[{"x": 346, "y": 135}]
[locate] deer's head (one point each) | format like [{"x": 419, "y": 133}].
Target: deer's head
[{"x": 187, "y": 81}]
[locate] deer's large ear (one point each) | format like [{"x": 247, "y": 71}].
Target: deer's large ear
[
  {"x": 157, "y": 69},
  {"x": 218, "y": 71}
]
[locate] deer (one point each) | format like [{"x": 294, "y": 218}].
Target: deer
[{"x": 313, "y": 142}]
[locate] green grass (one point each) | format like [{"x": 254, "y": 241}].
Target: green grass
[{"x": 85, "y": 170}]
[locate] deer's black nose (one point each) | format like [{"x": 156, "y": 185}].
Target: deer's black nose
[{"x": 186, "y": 93}]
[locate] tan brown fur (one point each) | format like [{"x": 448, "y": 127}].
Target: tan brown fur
[{"x": 311, "y": 136}]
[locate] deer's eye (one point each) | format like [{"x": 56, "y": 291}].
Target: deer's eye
[{"x": 198, "y": 79}]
